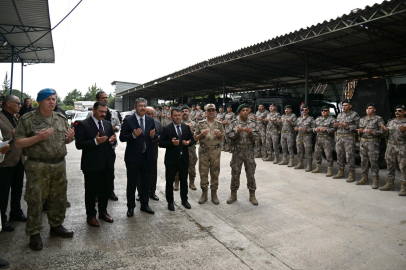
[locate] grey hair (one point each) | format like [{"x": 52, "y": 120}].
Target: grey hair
[
  {"x": 150, "y": 108},
  {"x": 139, "y": 100},
  {"x": 8, "y": 98}
]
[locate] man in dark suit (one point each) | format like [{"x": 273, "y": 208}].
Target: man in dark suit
[
  {"x": 138, "y": 130},
  {"x": 11, "y": 169},
  {"x": 154, "y": 170},
  {"x": 176, "y": 138},
  {"x": 95, "y": 136}
]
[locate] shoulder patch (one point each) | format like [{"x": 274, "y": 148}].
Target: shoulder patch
[
  {"x": 61, "y": 115},
  {"x": 28, "y": 114}
]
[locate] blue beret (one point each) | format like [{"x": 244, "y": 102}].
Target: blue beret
[{"x": 44, "y": 93}]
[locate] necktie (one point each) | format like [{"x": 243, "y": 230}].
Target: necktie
[
  {"x": 142, "y": 125},
  {"x": 101, "y": 131},
  {"x": 179, "y": 132}
]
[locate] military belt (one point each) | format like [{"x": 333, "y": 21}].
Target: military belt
[
  {"x": 397, "y": 142},
  {"x": 210, "y": 147},
  {"x": 48, "y": 160},
  {"x": 345, "y": 135},
  {"x": 323, "y": 136},
  {"x": 240, "y": 146},
  {"x": 284, "y": 131},
  {"x": 370, "y": 140},
  {"x": 304, "y": 134}
]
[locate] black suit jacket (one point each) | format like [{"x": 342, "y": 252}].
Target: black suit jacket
[
  {"x": 172, "y": 154},
  {"x": 158, "y": 129},
  {"x": 94, "y": 156},
  {"x": 133, "y": 151}
]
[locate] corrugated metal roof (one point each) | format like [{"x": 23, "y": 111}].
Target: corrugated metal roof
[
  {"x": 366, "y": 43},
  {"x": 22, "y": 22}
]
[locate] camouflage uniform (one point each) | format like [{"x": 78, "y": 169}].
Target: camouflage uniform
[
  {"x": 199, "y": 113},
  {"x": 45, "y": 169},
  {"x": 243, "y": 152},
  {"x": 157, "y": 116},
  {"x": 304, "y": 141},
  {"x": 209, "y": 153},
  {"x": 272, "y": 133},
  {"x": 220, "y": 116},
  {"x": 192, "y": 114},
  {"x": 168, "y": 117},
  {"x": 262, "y": 125},
  {"x": 324, "y": 140},
  {"x": 229, "y": 117},
  {"x": 163, "y": 118},
  {"x": 396, "y": 150},
  {"x": 345, "y": 140},
  {"x": 192, "y": 154},
  {"x": 287, "y": 134},
  {"x": 369, "y": 143}
]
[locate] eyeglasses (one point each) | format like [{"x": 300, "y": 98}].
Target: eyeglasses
[
  {"x": 398, "y": 110},
  {"x": 18, "y": 103},
  {"x": 305, "y": 110},
  {"x": 324, "y": 110}
]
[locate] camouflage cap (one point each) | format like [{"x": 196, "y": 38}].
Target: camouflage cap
[
  {"x": 242, "y": 106},
  {"x": 346, "y": 101},
  {"x": 400, "y": 107},
  {"x": 184, "y": 107},
  {"x": 370, "y": 104},
  {"x": 210, "y": 106},
  {"x": 288, "y": 107}
]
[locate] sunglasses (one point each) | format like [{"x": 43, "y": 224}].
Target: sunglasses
[
  {"x": 305, "y": 110},
  {"x": 324, "y": 110},
  {"x": 18, "y": 103},
  {"x": 398, "y": 110}
]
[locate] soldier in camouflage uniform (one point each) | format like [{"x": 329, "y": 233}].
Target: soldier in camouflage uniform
[
  {"x": 192, "y": 113},
  {"x": 220, "y": 117},
  {"x": 304, "y": 143},
  {"x": 324, "y": 140},
  {"x": 395, "y": 131},
  {"x": 370, "y": 132},
  {"x": 261, "y": 120},
  {"x": 43, "y": 134},
  {"x": 210, "y": 133},
  {"x": 272, "y": 134},
  {"x": 243, "y": 132},
  {"x": 228, "y": 118},
  {"x": 346, "y": 125},
  {"x": 287, "y": 121},
  {"x": 199, "y": 114},
  {"x": 163, "y": 116},
  {"x": 192, "y": 149},
  {"x": 157, "y": 114}
]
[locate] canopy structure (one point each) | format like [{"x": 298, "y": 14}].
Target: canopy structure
[
  {"x": 365, "y": 43},
  {"x": 25, "y": 34}
]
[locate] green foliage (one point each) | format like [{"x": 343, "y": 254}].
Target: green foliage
[
  {"x": 17, "y": 93},
  {"x": 5, "y": 89},
  {"x": 67, "y": 107},
  {"x": 91, "y": 93},
  {"x": 111, "y": 103},
  {"x": 72, "y": 96}
]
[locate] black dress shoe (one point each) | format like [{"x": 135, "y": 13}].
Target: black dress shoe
[
  {"x": 113, "y": 196},
  {"x": 186, "y": 205},
  {"x": 130, "y": 212},
  {"x": 154, "y": 197},
  {"x": 68, "y": 204},
  {"x": 45, "y": 207},
  {"x": 171, "y": 207},
  {"x": 19, "y": 217},
  {"x": 36, "y": 242},
  {"x": 61, "y": 231},
  {"x": 4, "y": 264},
  {"x": 148, "y": 210},
  {"x": 7, "y": 227},
  {"x": 137, "y": 198}
]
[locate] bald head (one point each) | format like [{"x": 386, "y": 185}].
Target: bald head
[
  {"x": 150, "y": 111},
  {"x": 11, "y": 104}
]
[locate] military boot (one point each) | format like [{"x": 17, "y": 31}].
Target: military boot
[
  {"x": 227, "y": 148},
  {"x": 203, "y": 199},
  {"x": 402, "y": 191},
  {"x": 266, "y": 154},
  {"x": 258, "y": 155},
  {"x": 375, "y": 181},
  {"x": 223, "y": 148},
  {"x": 364, "y": 180},
  {"x": 284, "y": 161},
  {"x": 214, "y": 198},
  {"x": 329, "y": 172},
  {"x": 253, "y": 200},
  {"x": 291, "y": 162},
  {"x": 351, "y": 177},
  {"x": 309, "y": 166},
  {"x": 299, "y": 165},
  {"x": 318, "y": 169},
  {"x": 389, "y": 186},
  {"x": 339, "y": 175},
  {"x": 176, "y": 186},
  {"x": 275, "y": 161},
  {"x": 192, "y": 183},
  {"x": 268, "y": 158},
  {"x": 233, "y": 197}
]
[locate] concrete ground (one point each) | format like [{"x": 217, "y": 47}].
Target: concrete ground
[{"x": 303, "y": 221}]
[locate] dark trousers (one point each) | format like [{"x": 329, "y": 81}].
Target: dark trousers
[
  {"x": 153, "y": 177},
  {"x": 11, "y": 178},
  {"x": 97, "y": 183},
  {"x": 170, "y": 173},
  {"x": 138, "y": 178},
  {"x": 112, "y": 177}
]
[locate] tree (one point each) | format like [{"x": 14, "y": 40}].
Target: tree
[
  {"x": 91, "y": 93},
  {"x": 5, "y": 89},
  {"x": 111, "y": 103},
  {"x": 72, "y": 96}
]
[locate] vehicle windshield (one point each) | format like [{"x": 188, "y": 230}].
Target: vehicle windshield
[{"x": 81, "y": 116}]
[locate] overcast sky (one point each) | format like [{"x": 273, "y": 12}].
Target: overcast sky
[{"x": 138, "y": 41}]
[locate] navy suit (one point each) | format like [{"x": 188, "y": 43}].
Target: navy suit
[{"x": 138, "y": 163}]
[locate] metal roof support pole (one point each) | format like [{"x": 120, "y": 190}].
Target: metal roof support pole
[
  {"x": 128, "y": 102},
  {"x": 182, "y": 93},
  {"x": 307, "y": 81},
  {"x": 224, "y": 92},
  {"x": 22, "y": 80},
  {"x": 12, "y": 70}
]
